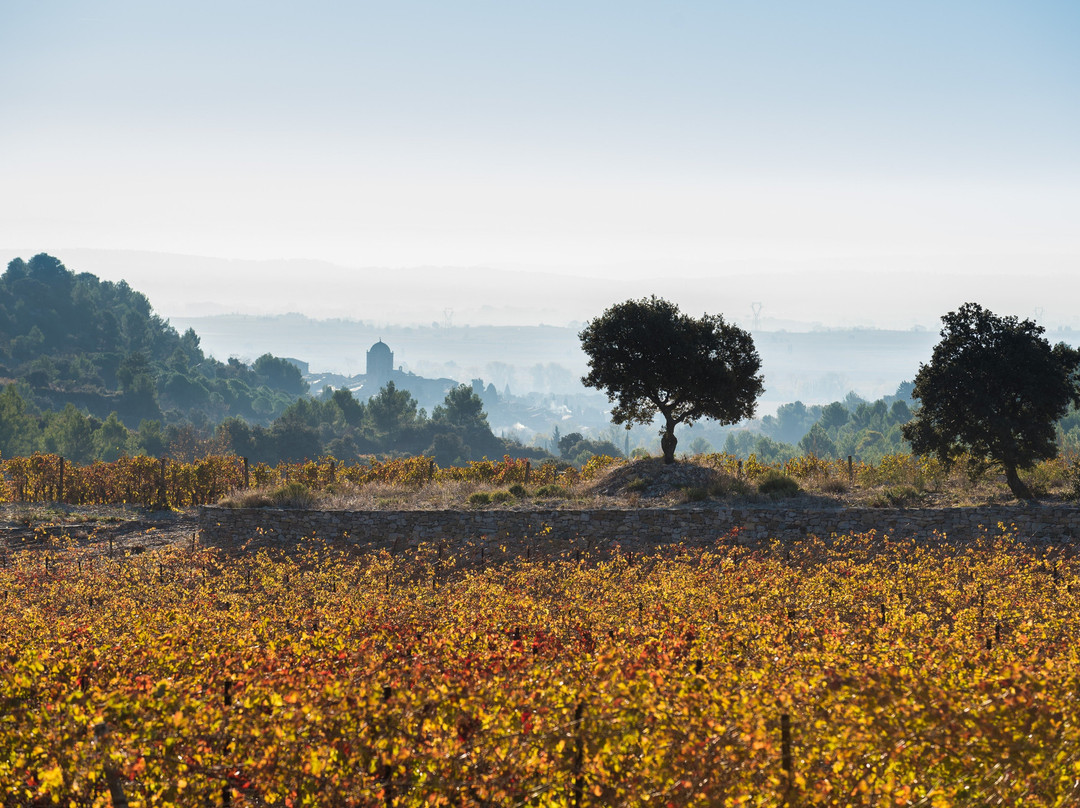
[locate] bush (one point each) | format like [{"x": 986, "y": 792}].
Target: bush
[
  {"x": 897, "y": 496},
  {"x": 499, "y": 497},
  {"x": 636, "y": 484},
  {"x": 479, "y": 498},
  {"x": 519, "y": 491},
  {"x": 292, "y": 495},
  {"x": 728, "y": 485},
  {"x": 1051, "y": 474},
  {"x": 1072, "y": 491},
  {"x": 778, "y": 485},
  {"x": 551, "y": 492},
  {"x": 693, "y": 493},
  {"x": 252, "y": 498},
  {"x": 598, "y": 464}
]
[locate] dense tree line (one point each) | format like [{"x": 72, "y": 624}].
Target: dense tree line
[
  {"x": 72, "y": 433},
  {"x": 337, "y": 424},
  {"x": 576, "y": 449},
  {"x": 388, "y": 424},
  {"x": 98, "y": 346},
  {"x": 865, "y": 430}
]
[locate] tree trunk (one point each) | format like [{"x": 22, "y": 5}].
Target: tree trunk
[
  {"x": 668, "y": 442},
  {"x": 1016, "y": 485}
]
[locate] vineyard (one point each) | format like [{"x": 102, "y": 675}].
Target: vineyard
[
  {"x": 858, "y": 672},
  {"x": 163, "y": 482},
  {"x": 151, "y": 482}
]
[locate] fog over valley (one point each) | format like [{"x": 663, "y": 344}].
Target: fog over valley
[
  {"x": 887, "y": 292},
  {"x": 821, "y": 332}
]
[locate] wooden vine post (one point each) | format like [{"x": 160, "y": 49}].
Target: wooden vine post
[
  {"x": 579, "y": 756},
  {"x": 113, "y": 779},
  {"x": 226, "y": 789},
  {"x": 785, "y": 752}
]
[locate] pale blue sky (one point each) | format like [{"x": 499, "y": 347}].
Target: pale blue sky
[{"x": 547, "y": 134}]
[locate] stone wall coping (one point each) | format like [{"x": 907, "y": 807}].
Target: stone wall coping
[
  {"x": 1028, "y": 510},
  {"x": 632, "y": 527}
]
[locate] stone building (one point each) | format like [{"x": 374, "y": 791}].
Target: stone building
[{"x": 380, "y": 364}]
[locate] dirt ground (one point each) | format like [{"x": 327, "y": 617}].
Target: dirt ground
[{"x": 47, "y": 526}]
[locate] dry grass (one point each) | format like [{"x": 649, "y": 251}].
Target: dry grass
[
  {"x": 693, "y": 482},
  {"x": 450, "y": 496},
  {"x": 961, "y": 487},
  {"x": 25, "y": 514}
]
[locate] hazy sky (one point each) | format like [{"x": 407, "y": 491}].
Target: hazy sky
[{"x": 553, "y": 134}]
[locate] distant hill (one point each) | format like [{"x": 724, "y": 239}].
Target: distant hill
[{"x": 75, "y": 339}]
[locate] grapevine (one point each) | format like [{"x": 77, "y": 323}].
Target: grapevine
[{"x": 908, "y": 672}]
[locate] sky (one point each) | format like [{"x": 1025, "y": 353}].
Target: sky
[{"x": 617, "y": 139}]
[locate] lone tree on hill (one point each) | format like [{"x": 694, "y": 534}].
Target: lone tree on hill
[
  {"x": 994, "y": 388},
  {"x": 653, "y": 359}
]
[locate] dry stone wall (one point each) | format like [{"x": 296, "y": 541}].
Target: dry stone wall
[{"x": 637, "y": 529}]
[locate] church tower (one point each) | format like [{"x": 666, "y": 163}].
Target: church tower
[{"x": 380, "y": 363}]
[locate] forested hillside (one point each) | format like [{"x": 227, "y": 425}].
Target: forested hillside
[
  {"x": 90, "y": 372},
  {"x": 75, "y": 339}
]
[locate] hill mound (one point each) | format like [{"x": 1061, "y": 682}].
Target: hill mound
[{"x": 651, "y": 478}]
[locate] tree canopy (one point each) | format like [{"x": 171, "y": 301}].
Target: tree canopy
[
  {"x": 463, "y": 409},
  {"x": 994, "y": 388},
  {"x": 651, "y": 359},
  {"x": 75, "y": 339}
]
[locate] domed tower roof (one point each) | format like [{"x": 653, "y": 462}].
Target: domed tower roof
[{"x": 380, "y": 362}]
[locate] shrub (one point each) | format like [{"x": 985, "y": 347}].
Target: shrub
[
  {"x": 728, "y": 485},
  {"x": 519, "y": 491},
  {"x": 501, "y": 496},
  {"x": 292, "y": 495},
  {"x": 636, "y": 484},
  {"x": 897, "y": 496},
  {"x": 834, "y": 486},
  {"x": 597, "y": 464},
  {"x": 479, "y": 498},
  {"x": 251, "y": 498},
  {"x": 693, "y": 493},
  {"x": 551, "y": 491},
  {"x": 776, "y": 484},
  {"x": 1049, "y": 475},
  {"x": 1072, "y": 491}
]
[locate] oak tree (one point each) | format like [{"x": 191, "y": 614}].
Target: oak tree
[
  {"x": 651, "y": 359},
  {"x": 994, "y": 388}
]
